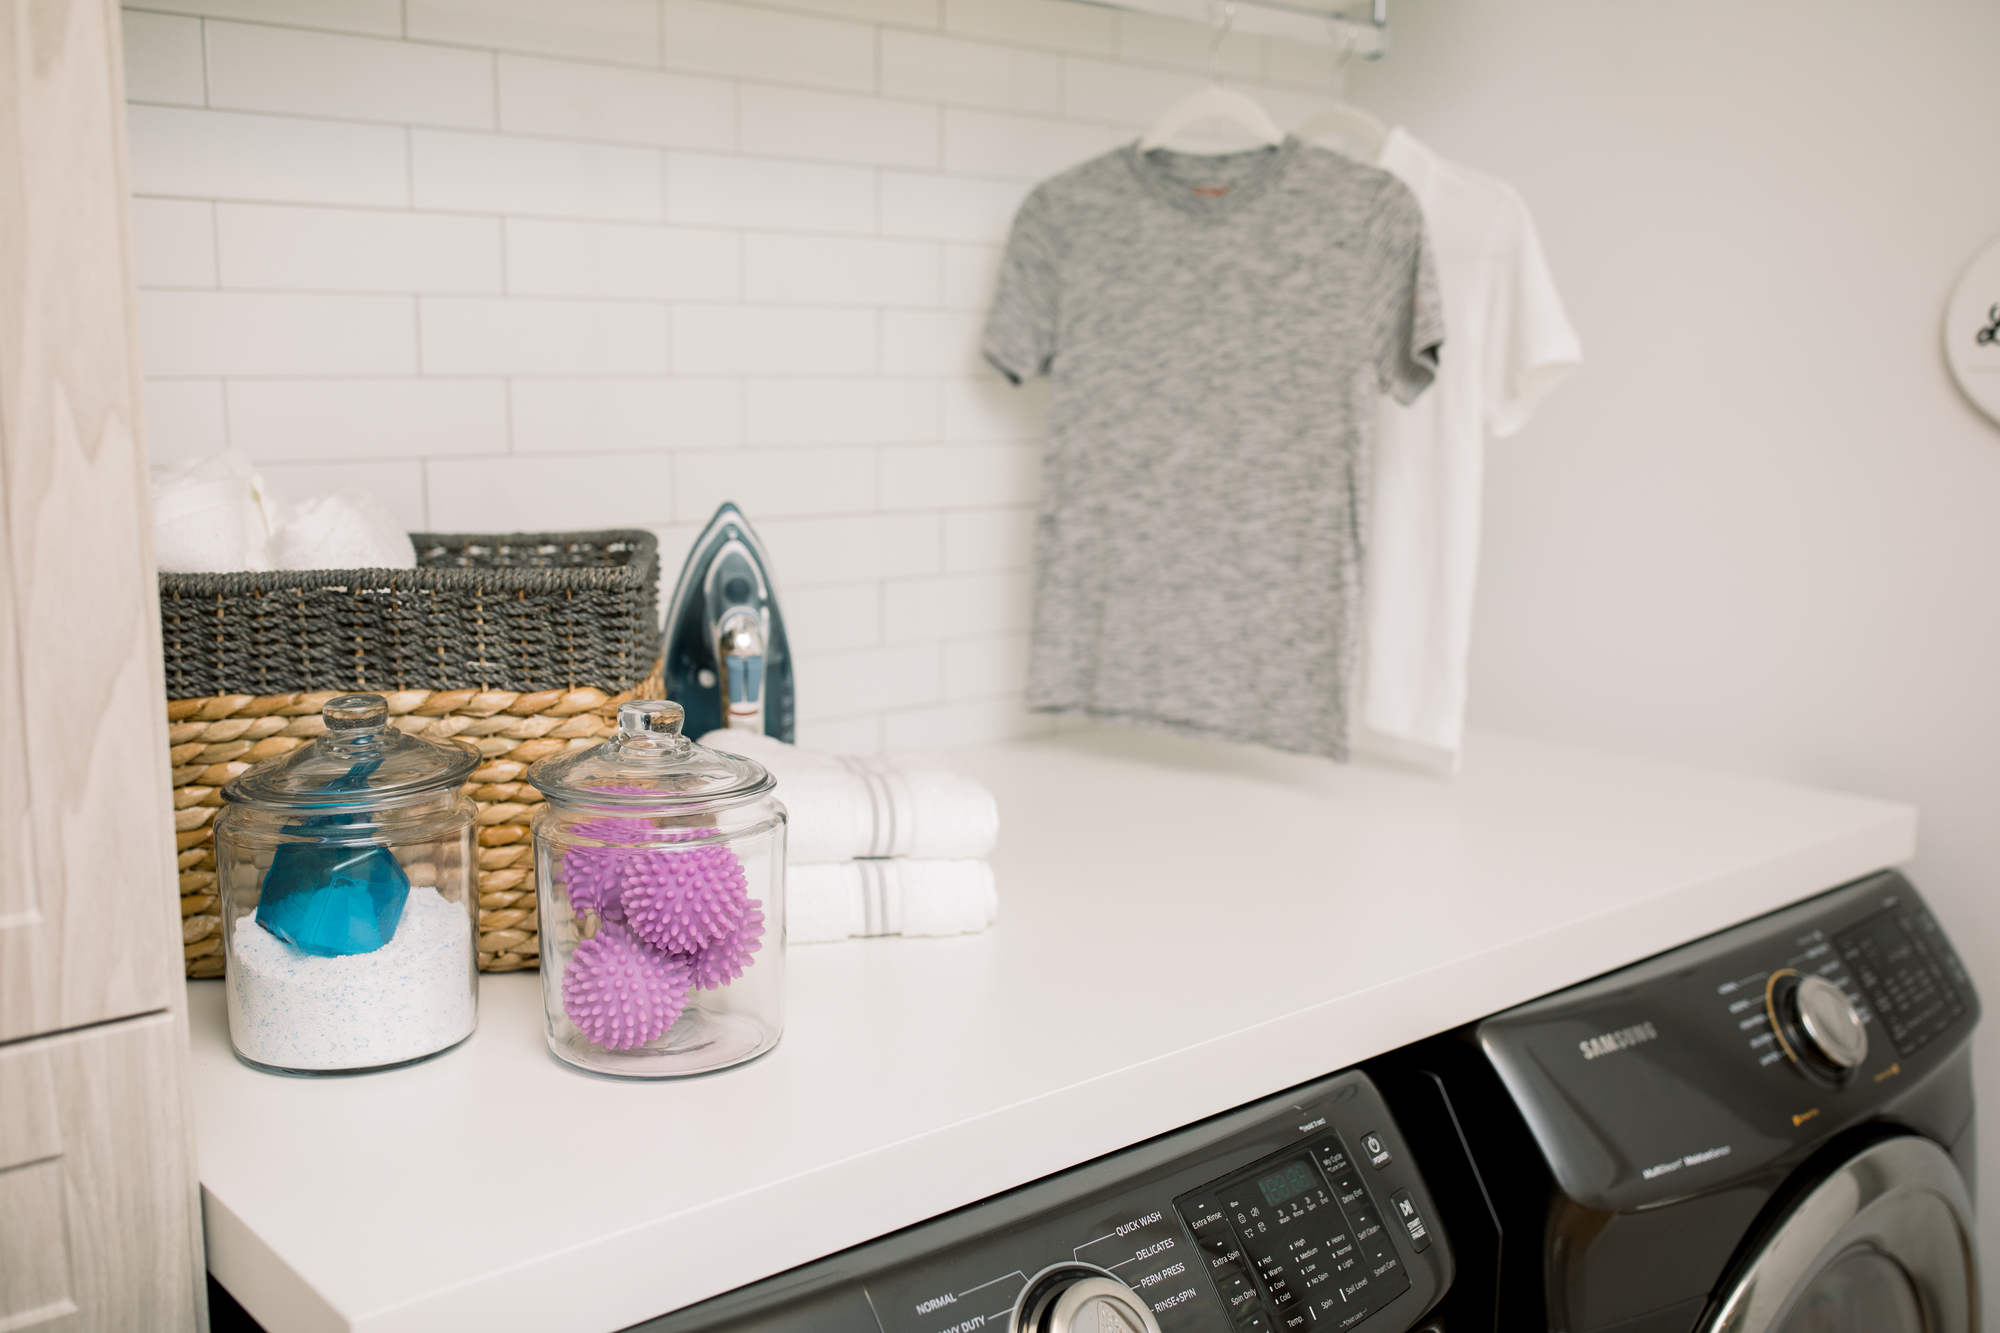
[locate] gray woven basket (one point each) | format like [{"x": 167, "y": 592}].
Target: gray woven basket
[{"x": 523, "y": 612}]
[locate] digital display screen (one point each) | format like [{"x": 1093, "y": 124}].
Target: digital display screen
[
  {"x": 1287, "y": 1182},
  {"x": 1906, "y": 982}
]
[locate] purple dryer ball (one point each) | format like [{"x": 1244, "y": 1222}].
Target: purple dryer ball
[
  {"x": 681, "y": 899},
  {"x": 621, "y": 994},
  {"x": 721, "y": 962},
  {"x": 594, "y": 880}
]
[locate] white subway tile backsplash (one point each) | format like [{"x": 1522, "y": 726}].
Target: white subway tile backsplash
[
  {"x": 490, "y": 173},
  {"x": 626, "y": 31},
  {"x": 839, "y": 127},
  {"x": 842, "y": 735},
  {"x": 226, "y": 155},
  {"x": 400, "y": 486},
  {"x": 1150, "y": 39},
  {"x": 986, "y": 143},
  {"x": 932, "y": 342},
  {"x": 961, "y": 724},
  {"x": 971, "y": 272},
  {"x": 772, "y": 340},
  {"x": 992, "y": 409},
  {"x": 548, "y": 494},
  {"x": 784, "y": 483},
  {"x": 475, "y": 336},
  {"x": 617, "y": 260},
  {"x": 384, "y": 18},
  {"x": 359, "y": 250},
  {"x": 705, "y": 190},
  {"x": 819, "y": 620},
  {"x": 807, "y": 552},
  {"x": 948, "y": 208},
  {"x": 987, "y": 539},
  {"x": 840, "y": 411},
  {"x": 986, "y": 668},
  {"x": 869, "y": 680},
  {"x": 616, "y": 416},
  {"x": 732, "y": 39},
  {"x": 163, "y": 58},
  {"x": 839, "y": 271},
  {"x": 575, "y": 100},
  {"x": 1295, "y": 62},
  {"x": 1099, "y": 90},
  {"x": 173, "y": 242},
  {"x": 184, "y": 419},
  {"x": 312, "y": 420},
  {"x": 945, "y": 69},
  {"x": 954, "y": 606},
  {"x": 959, "y": 475},
  {"x": 613, "y": 261},
  {"x": 1055, "y": 23},
  {"x": 240, "y": 333},
  {"x": 252, "y": 67}
]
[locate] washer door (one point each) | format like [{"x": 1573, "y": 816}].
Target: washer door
[{"x": 1884, "y": 1244}]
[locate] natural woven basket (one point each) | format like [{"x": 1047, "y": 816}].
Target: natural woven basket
[{"x": 515, "y": 647}]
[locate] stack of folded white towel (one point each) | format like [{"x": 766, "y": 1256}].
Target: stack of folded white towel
[{"x": 888, "y": 844}]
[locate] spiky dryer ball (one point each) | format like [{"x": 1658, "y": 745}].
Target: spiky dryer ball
[
  {"x": 722, "y": 960},
  {"x": 681, "y": 899},
  {"x": 593, "y": 878},
  {"x": 621, "y": 994}
]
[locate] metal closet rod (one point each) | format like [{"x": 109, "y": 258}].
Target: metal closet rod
[{"x": 1368, "y": 38}]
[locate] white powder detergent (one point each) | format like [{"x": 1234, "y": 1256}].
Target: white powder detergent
[{"x": 410, "y": 997}]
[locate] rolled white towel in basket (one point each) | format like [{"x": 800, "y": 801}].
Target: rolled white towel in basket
[
  {"x": 846, "y": 806},
  {"x": 884, "y": 896}
]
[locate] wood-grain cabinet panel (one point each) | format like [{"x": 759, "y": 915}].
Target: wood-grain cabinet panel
[
  {"x": 87, "y": 924},
  {"x": 95, "y": 1190}
]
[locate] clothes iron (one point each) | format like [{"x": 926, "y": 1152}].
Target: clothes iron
[{"x": 728, "y": 663}]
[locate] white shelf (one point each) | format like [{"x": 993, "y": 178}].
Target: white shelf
[{"x": 1184, "y": 928}]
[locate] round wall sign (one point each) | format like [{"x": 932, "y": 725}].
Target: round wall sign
[{"x": 1972, "y": 332}]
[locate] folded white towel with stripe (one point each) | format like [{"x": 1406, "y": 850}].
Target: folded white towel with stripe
[
  {"x": 846, "y": 806},
  {"x": 887, "y": 896}
]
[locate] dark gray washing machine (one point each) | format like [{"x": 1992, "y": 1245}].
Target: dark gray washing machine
[{"x": 1767, "y": 1131}]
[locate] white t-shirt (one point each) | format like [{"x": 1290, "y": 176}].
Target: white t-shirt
[{"x": 1507, "y": 343}]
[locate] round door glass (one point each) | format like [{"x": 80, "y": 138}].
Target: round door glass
[{"x": 1863, "y": 1291}]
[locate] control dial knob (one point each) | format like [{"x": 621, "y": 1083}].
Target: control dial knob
[
  {"x": 1083, "y": 1300},
  {"x": 1832, "y": 1026},
  {"x": 1819, "y": 1026}
]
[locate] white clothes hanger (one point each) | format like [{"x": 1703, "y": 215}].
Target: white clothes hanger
[
  {"x": 1358, "y": 134},
  {"x": 1214, "y": 102}
]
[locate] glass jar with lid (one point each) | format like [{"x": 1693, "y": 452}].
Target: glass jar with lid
[
  {"x": 660, "y": 866},
  {"x": 348, "y": 918}
]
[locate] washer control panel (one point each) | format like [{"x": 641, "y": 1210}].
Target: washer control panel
[
  {"x": 1304, "y": 1211},
  {"x": 1302, "y": 1242}
]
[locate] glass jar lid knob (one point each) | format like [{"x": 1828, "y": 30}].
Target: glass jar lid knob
[
  {"x": 641, "y": 716},
  {"x": 356, "y": 712}
]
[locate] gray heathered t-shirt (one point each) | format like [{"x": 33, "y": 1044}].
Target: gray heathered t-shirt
[{"x": 1217, "y": 332}]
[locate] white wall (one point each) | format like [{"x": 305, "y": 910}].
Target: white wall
[
  {"x": 578, "y": 263},
  {"x": 1760, "y": 530}
]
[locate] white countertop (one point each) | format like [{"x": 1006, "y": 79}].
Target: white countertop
[{"x": 1184, "y": 928}]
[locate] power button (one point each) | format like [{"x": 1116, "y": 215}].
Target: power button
[{"x": 1375, "y": 1150}]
